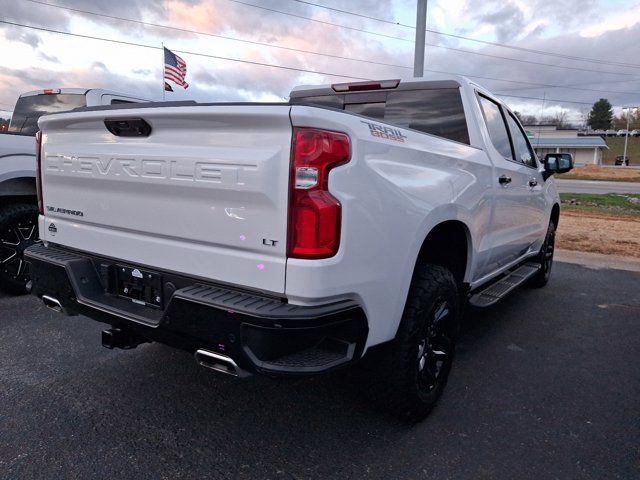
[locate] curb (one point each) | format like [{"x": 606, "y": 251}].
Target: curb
[{"x": 598, "y": 260}]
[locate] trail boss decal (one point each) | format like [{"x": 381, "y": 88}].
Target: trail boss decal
[
  {"x": 65, "y": 211},
  {"x": 382, "y": 131}
]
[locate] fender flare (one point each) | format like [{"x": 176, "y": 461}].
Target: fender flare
[{"x": 444, "y": 213}]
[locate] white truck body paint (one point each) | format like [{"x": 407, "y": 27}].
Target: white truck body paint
[
  {"x": 203, "y": 210},
  {"x": 17, "y": 156},
  {"x": 199, "y": 195}
]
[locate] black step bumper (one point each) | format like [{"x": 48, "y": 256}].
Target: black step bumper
[{"x": 259, "y": 333}]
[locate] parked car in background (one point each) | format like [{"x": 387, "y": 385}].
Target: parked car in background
[
  {"x": 622, "y": 160},
  {"x": 611, "y": 133},
  {"x": 622, "y": 132},
  {"x": 635, "y": 133},
  {"x": 18, "y": 205}
]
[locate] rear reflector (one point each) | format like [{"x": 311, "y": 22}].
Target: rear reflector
[
  {"x": 357, "y": 86},
  {"x": 314, "y": 214},
  {"x": 39, "y": 172}
]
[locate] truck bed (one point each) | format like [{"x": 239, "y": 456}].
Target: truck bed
[{"x": 205, "y": 193}]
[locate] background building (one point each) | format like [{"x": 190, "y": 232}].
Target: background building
[{"x": 549, "y": 139}]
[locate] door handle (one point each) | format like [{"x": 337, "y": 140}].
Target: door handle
[
  {"x": 533, "y": 182},
  {"x": 504, "y": 180}
]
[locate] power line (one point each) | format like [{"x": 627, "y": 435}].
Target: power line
[
  {"x": 576, "y": 86},
  {"x": 539, "y": 52},
  {"x": 209, "y": 34},
  {"x": 472, "y": 52},
  {"x": 543, "y": 99},
  {"x": 530, "y": 61},
  {"x": 158, "y": 25},
  {"x": 361, "y": 15},
  {"x": 122, "y": 42},
  {"x": 236, "y": 60},
  {"x": 324, "y": 54},
  {"x": 545, "y": 85},
  {"x": 318, "y": 72},
  {"x": 321, "y": 21},
  {"x": 485, "y": 42}
]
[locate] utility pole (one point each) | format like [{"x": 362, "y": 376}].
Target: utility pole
[
  {"x": 626, "y": 137},
  {"x": 164, "y": 90},
  {"x": 421, "y": 26}
]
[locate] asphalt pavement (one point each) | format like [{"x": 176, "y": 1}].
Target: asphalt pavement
[
  {"x": 596, "y": 186},
  {"x": 546, "y": 385}
]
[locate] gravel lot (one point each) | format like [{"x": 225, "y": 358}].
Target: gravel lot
[
  {"x": 546, "y": 385},
  {"x": 599, "y": 233}
]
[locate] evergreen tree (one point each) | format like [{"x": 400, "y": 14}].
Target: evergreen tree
[{"x": 601, "y": 115}]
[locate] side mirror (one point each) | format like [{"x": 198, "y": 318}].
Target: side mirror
[{"x": 557, "y": 163}]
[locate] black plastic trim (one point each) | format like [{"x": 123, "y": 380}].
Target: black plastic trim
[
  {"x": 128, "y": 127},
  {"x": 256, "y": 305},
  {"x": 402, "y": 86},
  {"x": 260, "y": 333}
]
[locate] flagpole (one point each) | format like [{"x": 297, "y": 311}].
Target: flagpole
[{"x": 162, "y": 73}]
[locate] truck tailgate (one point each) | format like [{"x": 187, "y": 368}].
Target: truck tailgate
[{"x": 205, "y": 194}]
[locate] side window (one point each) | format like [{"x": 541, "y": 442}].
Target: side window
[
  {"x": 521, "y": 146},
  {"x": 497, "y": 128}
]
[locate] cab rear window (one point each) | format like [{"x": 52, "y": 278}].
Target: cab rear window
[
  {"x": 29, "y": 109},
  {"x": 436, "y": 111}
]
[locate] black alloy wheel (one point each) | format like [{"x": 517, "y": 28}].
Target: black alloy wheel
[
  {"x": 18, "y": 231},
  {"x": 408, "y": 374},
  {"x": 545, "y": 258},
  {"x": 435, "y": 349}
]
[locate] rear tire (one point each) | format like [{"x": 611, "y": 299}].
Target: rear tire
[
  {"x": 18, "y": 230},
  {"x": 408, "y": 375},
  {"x": 545, "y": 257}
]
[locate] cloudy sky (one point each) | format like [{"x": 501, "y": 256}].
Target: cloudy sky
[{"x": 570, "y": 52}]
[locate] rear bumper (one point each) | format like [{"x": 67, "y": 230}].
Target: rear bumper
[{"x": 259, "y": 333}]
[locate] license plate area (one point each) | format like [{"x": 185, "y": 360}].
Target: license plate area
[{"x": 140, "y": 286}]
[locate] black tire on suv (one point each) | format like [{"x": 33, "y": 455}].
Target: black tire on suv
[
  {"x": 408, "y": 375},
  {"x": 545, "y": 257},
  {"x": 18, "y": 230}
]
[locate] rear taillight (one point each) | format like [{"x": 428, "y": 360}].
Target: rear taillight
[
  {"x": 39, "y": 172},
  {"x": 314, "y": 214}
]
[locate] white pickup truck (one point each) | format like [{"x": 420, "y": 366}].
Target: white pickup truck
[
  {"x": 353, "y": 222},
  {"x": 18, "y": 211}
]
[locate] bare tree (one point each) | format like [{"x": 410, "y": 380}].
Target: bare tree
[
  {"x": 526, "y": 119},
  {"x": 620, "y": 122},
  {"x": 584, "y": 117},
  {"x": 560, "y": 119}
]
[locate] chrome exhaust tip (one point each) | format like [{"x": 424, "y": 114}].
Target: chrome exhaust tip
[
  {"x": 52, "y": 304},
  {"x": 219, "y": 363}
]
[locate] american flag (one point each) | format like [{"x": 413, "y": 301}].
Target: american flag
[{"x": 175, "y": 68}]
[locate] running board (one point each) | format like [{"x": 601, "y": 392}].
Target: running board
[{"x": 501, "y": 288}]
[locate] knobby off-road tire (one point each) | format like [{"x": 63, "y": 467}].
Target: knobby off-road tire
[
  {"x": 407, "y": 376},
  {"x": 18, "y": 230},
  {"x": 545, "y": 257}
]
